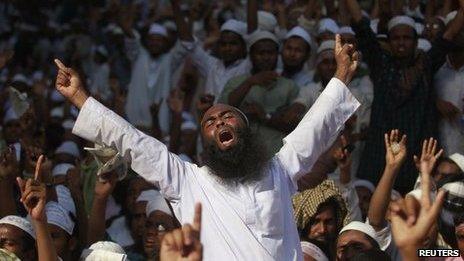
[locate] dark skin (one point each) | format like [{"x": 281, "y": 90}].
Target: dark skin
[
  {"x": 152, "y": 237},
  {"x": 295, "y": 53},
  {"x": 231, "y": 47},
  {"x": 403, "y": 41},
  {"x": 63, "y": 242},
  {"x": 156, "y": 44},
  {"x": 351, "y": 242},
  {"x": 323, "y": 226},
  {"x": 326, "y": 70},
  {"x": 11, "y": 239}
]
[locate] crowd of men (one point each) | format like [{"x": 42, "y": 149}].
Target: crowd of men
[{"x": 235, "y": 130}]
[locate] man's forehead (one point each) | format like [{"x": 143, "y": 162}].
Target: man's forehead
[{"x": 218, "y": 109}]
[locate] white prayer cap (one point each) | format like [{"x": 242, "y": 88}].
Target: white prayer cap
[
  {"x": 57, "y": 112},
  {"x": 37, "y": 76},
  {"x": 102, "y": 50},
  {"x": 365, "y": 184},
  {"x": 10, "y": 115},
  {"x": 374, "y": 25},
  {"x": 20, "y": 223},
  {"x": 170, "y": 25},
  {"x": 259, "y": 35},
  {"x": 298, "y": 31},
  {"x": 56, "y": 96},
  {"x": 61, "y": 169},
  {"x": 146, "y": 195},
  {"x": 65, "y": 199},
  {"x": 114, "y": 29},
  {"x": 424, "y": 44},
  {"x": 313, "y": 251},
  {"x": 235, "y": 26},
  {"x": 458, "y": 159},
  {"x": 19, "y": 77},
  {"x": 58, "y": 216},
  {"x": 266, "y": 21},
  {"x": 453, "y": 202},
  {"x": 327, "y": 25},
  {"x": 68, "y": 147},
  {"x": 346, "y": 30},
  {"x": 364, "y": 228},
  {"x": 449, "y": 17},
  {"x": 104, "y": 251},
  {"x": 188, "y": 125},
  {"x": 158, "y": 203},
  {"x": 401, "y": 20},
  {"x": 419, "y": 28},
  {"x": 68, "y": 124},
  {"x": 325, "y": 46},
  {"x": 158, "y": 30}
]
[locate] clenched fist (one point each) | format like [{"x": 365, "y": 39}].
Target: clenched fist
[{"x": 70, "y": 85}]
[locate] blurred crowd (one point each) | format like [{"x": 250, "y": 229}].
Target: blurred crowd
[{"x": 162, "y": 64}]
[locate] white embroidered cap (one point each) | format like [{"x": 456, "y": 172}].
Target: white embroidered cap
[
  {"x": 266, "y": 21},
  {"x": 401, "y": 20},
  {"x": 313, "y": 251},
  {"x": 298, "y": 31},
  {"x": 364, "y": 228},
  {"x": 458, "y": 159},
  {"x": 62, "y": 169},
  {"x": 157, "y": 29},
  {"x": 20, "y": 223},
  {"x": 58, "y": 216},
  {"x": 259, "y": 35},
  {"x": 327, "y": 25},
  {"x": 346, "y": 30},
  {"x": 424, "y": 44},
  {"x": 235, "y": 26},
  {"x": 68, "y": 147},
  {"x": 158, "y": 203},
  {"x": 365, "y": 184}
]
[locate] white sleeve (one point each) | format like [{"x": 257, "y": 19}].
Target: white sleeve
[
  {"x": 352, "y": 201},
  {"x": 148, "y": 157},
  {"x": 317, "y": 130},
  {"x": 132, "y": 46},
  {"x": 200, "y": 58}
]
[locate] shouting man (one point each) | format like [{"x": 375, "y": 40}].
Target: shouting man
[{"x": 247, "y": 211}]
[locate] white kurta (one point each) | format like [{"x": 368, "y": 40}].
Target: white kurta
[
  {"x": 449, "y": 84},
  {"x": 214, "y": 70},
  {"x": 242, "y": 221}
]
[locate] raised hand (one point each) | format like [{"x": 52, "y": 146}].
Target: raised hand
[
  {"x": 342, "y": 156},
  {"x": 8, "y": 163},
  {"x": 395, "y": 149},
  {"x": 70, "y": 85},
  {"x": 104, "y": 186},
  {"x": 347, "y": 60},
  {"x": 33, "y": 193},
  {"x": 429, "y": 156},
  {"x": 176, "y": 101},
  {"x": 184, "y": 244}
]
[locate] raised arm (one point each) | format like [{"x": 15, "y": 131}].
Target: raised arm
[
  {"x": 252, "y": 15},
  {"x": 149, "y": 157},
  {"x": 182, "y": 27},
  {"x": 322, "y": 123},
  {"x": 395, "y": 156}
]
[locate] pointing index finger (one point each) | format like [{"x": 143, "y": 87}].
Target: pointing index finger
[
  {"x": 338, "y": 43},
  {"x": 37, "y": 175},
  {"x": 60, "y": 65}
]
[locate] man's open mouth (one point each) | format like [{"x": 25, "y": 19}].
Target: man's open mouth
[{"x": 226, "y": 137}]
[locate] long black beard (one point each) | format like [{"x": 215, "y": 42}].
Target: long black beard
[{"x": 243, "y": 163}]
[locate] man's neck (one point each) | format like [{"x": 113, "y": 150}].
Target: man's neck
[
  {"x": 456, "y": 60},
  {"x": 290, "y": 71}
]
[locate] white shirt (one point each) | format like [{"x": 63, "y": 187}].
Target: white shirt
[
  {"x": 449, "y": 84},
  {"x": 240, "y": 222},
  {"x": 303, "y": 77},
  {"x": 214, "y": 70}
]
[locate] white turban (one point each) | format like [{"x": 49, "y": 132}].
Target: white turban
[
  {"x": 313, "y": 251},
  {"x": 424, "y": 44},
  {"x": 157, "y": 29},
  {"x": 65, "y": 199},
  {"x": 266, "y": 21},
  {"x": 68, "y": 147},
  {"x": 364, "y": 228},
  {"x": 327, "y": 25},
  {"x": 235, "y": 26},
  {"x": 449, "y": 17},
  {"x": 10, "y": 115},
  {"x": 158, "y": 203},
  {"x": 401, "y": 20},
  {"x": 365, "y": 184},
  {"x": 104, "y": 251},
  {"x": 259, "y": 35},
  {"x": 346, "y": 30},
  {"x": 298, "y": 31},
  {"x": 61, "y": 169},
  {"x": 58, "y": 216},
  {"x": 20, "y": 223},
  {"x": 458, "y": 159}
]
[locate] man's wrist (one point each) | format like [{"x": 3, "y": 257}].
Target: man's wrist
[
  {"x": 342, "y": 75},
  {"x": 79, "y": 98}
]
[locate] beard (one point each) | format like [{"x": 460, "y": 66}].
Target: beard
[{"x": 241, "y": 163}]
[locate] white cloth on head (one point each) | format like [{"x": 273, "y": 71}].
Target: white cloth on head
[
  {"x": 18, "y": 100},
  {"x": 346, "y": 30},
  {"x": 458, "y": 159},
  {"x": 325, "y": 51},
  {"x": 424, "y": 44},
  {"x": 19, "y": 77},
  {"x": 104, "y": 251},
  {"x": 327, "y": 25},
  {"x": 374, "y": 25},
  {"x": 55, "y": 96},
  {"x": 68, "y": 124},
  {"x": 362, "y": 227},
  {"x": 65, "y": 199},
  {"x": 170, "y": 25},
  {"x": 57, "y": 112},
  {"x": 147, "y": 195},
  {"x": 313, "y": 251},
  {"x": 120, "y": 233},
  {"x": 365, "y": 184},
  {"x": 62, "y": 169},
  {"x": 102, "y": 50},
  {"x": 69, "y": 147},
  {"x": 10, "y": 115},
  {"x": 235, "y": 26},
  {"x": 255, "y": 219},
  {"x": 58, "y": 216},
  {"x": 158, "y": 203},
  {"x": 453, "y": 202},
  {"x": 157, "y": 29},
  {"x": 326, "y": 45},
  {"x": 449, "y": 17},
  {"x": 20, "y": 223},
  {"x": 419, "y": 28},
  {"x": 259, "y": 35},
  {"x": 298, "y": 31},
  {"x": 401, "y": 20},
  {"x": 266, "y": 21}
]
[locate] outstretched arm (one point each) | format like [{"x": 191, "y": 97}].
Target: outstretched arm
[
  {"x": 322, "y": 123},
  {"x": 149, "y": 157}
]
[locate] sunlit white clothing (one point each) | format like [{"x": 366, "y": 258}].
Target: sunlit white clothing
[{"x": 251, "y": 221}]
